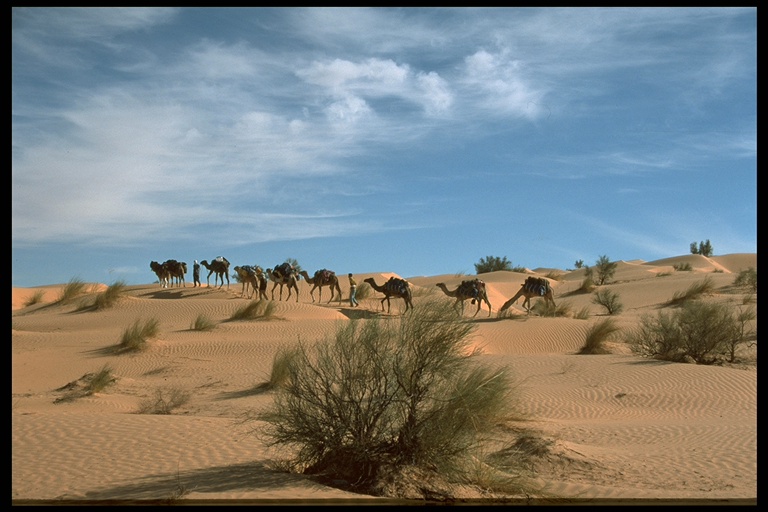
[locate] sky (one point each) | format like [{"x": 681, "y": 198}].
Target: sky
[{"x": 417, "y": 141}]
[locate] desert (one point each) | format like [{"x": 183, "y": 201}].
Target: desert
[{"x": 613, "y": 427}]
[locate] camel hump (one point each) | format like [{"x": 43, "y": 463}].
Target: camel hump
[
  {"x": 396, "y": 285},
  {"x": 537, "y": 285}
]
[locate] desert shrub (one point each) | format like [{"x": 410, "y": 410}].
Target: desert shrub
[
  {"x": 579, "y": 263},
  {"x": 492, "y": 264},
  {"x": 609, "y": 300},
  {"x": 605, "y": 269},
  {"x": 100, "y": 380},
  {"x": 35, "y": 298},
  {"x": 281, "y": 365},
  {"x": 693, "y": 292},
  {"x": 588, "y": 283},
  {"x": 698, "y": 331},
  {"x": 203, "y": 323},
  {"x": 543, "y": 308},
  {"x": 683, "y": 267},
  {"x": 74, "y": 288},
  {"x": 135, "y": 337},
  {"x": 109, "y": 297},
  {"x": 380, "y": 396},
  {"x": 555, "y": 275},
  {"x": 364, "y": 291},
  {"x": 256, "y": 309},
  {"x": 597, "y": 335},
  {"x": 747, "y": 279},
  {"x": 745, "y": 316},
  {"x": 164, "y": 401}
]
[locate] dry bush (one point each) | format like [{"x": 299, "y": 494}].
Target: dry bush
[
  {"x": 74, "y": 288},
  {"x": 109, "y": 297},
  {"x": 164, "y": 401},
  {"x": 258, "y": 309},
  {"x": 203, "y": 323},
  {"x": 35, "y": 298},
  {"x": 609, "y": 300},
  {"x": 695, "y": 291}
]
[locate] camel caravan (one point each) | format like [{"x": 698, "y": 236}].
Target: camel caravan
[{"x": 255, "y": 279}]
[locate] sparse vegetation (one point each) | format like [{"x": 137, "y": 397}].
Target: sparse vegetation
[
  {"x": 747, "y": 279},
  {"x": 695, "y": 291},
  {"x": 35, "y": 298},
  {"x": 109, "y": 297},
  {"x": 582, "y": 314},
  {"x": 597, "y": 335},
  {"x": 682, "y": 267},
  {"x": 609, "y": 300},
  {"x": 492, "y": 264},
  {"x": 604, "y": 269},
  {"x": 544, "y": 308},
  {"x": 203, "y": 323},
  {"x": 135, "y": 337},
  {"x": 164, "y": 401},
  {"x": 364, "y": 290},
  {"x": 74, "y": 288},
  {"x": 579, "y": 263},
  {"x": 100, "y": 380},
  {"x": 697, "y": 331},
  {"x": 258, "y": 309},
  {"x": 380, "y": 397}
]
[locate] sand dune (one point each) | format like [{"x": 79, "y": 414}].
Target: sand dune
[{"x": 614, "y": 426}]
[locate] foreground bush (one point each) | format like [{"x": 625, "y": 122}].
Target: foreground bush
[
  {"x": 135, "y": 337},
  {"x": 384, "y": 395},
  {"x": 109, "y": 297}
]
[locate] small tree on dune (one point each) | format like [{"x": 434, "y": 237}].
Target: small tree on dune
[{"x": 492, "y": 264}]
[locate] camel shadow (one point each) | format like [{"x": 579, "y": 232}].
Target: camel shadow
[{"x": 360, "y": 314}]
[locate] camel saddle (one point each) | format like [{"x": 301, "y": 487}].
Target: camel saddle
[
  {"x": 537, "y": 285},
  {"x": 324, "y": 275},
  {"x": 396, "y": 285}
]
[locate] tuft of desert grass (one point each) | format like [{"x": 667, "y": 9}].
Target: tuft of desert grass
[
  {"x": 597, "y": 335},
  {"x": 36, "y": 298},
  {"x": 258, "y": 309},
  {"x": 109, "y": 297},
  {"x": 73, "y": 289},
  {"x": 100, "y": 380},
  {"x": 203, "y": 323},
  {"x": 135, "y": 337},
  {"x": 695, "y": 291},
  {"x": 364, "y": 291}
]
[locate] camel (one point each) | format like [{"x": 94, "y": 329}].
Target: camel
[
  {"x": 247, "y": 275},
  {"x": 395, "y": 287},
  {"x": 288, "y": 279},
  {"x": 221, "y": 267},
  {"x": 161, "y": 272},
  {"x": 474, "y": 290},
  {"x": 532, "y": 287},
  {"x": 323, "y": 278},
  {"x": 176, "y": 270}
]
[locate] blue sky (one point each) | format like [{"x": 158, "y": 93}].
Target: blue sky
[{"x": 406, "y": 140}]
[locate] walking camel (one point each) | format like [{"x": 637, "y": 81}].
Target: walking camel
[
  {"x": 219, "y": 266},
  {"x": 248, "y": 277},
  {"x": 289, "y": 279},
  {"x": 176, "y": 270},
  {"x": 322, "y": 278},
  {"x": 532, "y": 287},
  {"x": 474, "y": 290},
  {"x": 395, "y": 287}
]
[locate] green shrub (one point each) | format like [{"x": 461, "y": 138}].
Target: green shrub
[
  {"x": 597, "y": 335},
  {"x": 698, "y": 331},
  {"x": 492, "y": 264},
  {"x": 609, "y": 300},
  {"x": 683, "y": 267},
  {"x": 135, "y": 337},
  {"x": 381, "y": 396}
]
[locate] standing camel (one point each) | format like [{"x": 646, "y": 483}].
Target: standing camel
[
  {"x": 395, "y": 287},
  {"x": 220, "y": 266},
  {"x": 248, "y": 277},
  {"x": 322, "y": 278},
  {"x": 161, "y": 272},
  {"x": 474, "y": 290},
  {"x": 289, "y": 279},
  {"x": 532, "y": 287},
  {"x": 176, "y": 271}
]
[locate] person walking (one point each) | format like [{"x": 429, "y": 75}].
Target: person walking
[
  {"x": 196, "y": 273},
  {"x": 352, "y": 290}
]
